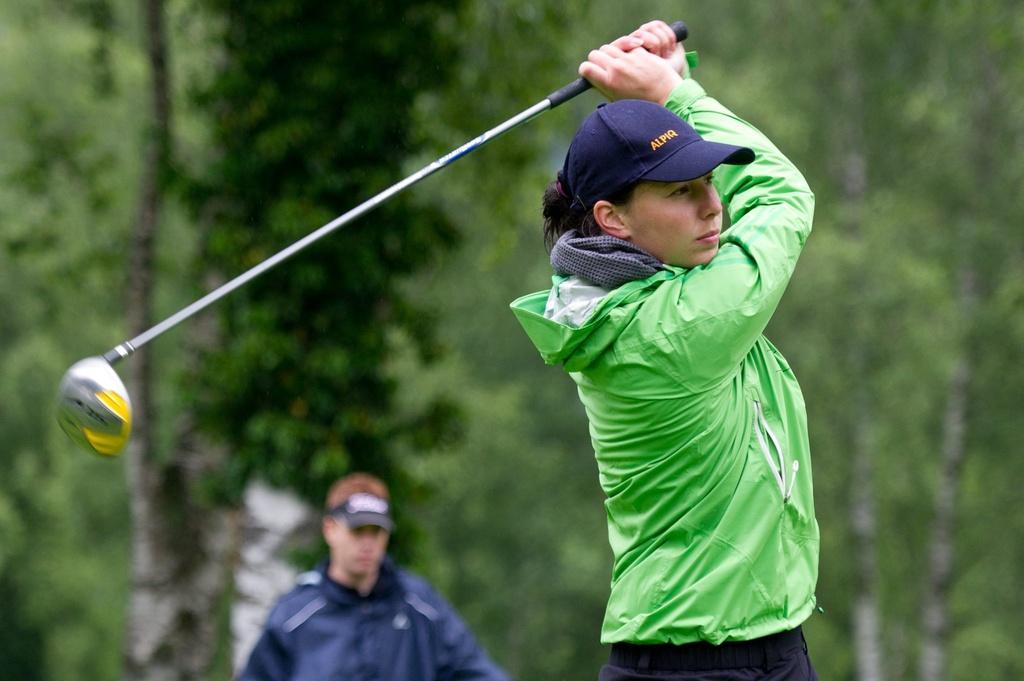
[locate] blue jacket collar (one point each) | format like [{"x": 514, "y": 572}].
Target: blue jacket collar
[{"x": 387, "y": 584}]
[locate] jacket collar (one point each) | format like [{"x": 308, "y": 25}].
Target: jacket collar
[{"x": 387, "y": 583}]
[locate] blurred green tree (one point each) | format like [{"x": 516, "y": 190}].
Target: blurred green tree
[
  {"x": 68, "y": 124},
  {"x": 310, "y": 107}
]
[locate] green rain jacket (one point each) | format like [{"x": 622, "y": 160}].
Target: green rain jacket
[{"x": 697, "y": 421}]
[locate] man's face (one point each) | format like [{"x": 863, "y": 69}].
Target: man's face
[{"x": 355, "y": 552}]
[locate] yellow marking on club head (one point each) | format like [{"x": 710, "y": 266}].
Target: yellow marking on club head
[
  {"x": 118, "y": 405},
  {"x": 102, "y": 443},
  {"x": 111, "y": 444}
]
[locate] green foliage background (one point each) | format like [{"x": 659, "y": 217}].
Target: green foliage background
[
  {"x": 419, "y": 370},
  {"x": 304, "y": 125}
]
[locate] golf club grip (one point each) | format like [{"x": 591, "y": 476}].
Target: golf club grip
[{"x": 581, "y": 85}]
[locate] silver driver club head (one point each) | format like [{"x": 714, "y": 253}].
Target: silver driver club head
[{"x": 93, "y": 407}]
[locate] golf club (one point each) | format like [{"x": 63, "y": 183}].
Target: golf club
[{"x": 93, "y": 406}]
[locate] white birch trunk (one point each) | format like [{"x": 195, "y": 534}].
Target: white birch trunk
[
  {"x": 935, "y": 626},
  {"x": 181, "y": 553},
  {"x": 179, "y": 545},
  {"x": 935, "y": 619},
  {"x": 867, "y": 625},
  {"x": 273, "y": 522}
]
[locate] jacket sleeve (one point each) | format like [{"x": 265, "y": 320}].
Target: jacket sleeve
[
  {"x": 269, "y": 660},
  {"x": 721, "y": 308}
]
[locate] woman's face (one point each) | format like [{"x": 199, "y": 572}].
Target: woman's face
[{"x": 677, "y": 222}]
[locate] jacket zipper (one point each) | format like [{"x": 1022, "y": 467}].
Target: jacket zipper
[{"x": 762, "y": 428}]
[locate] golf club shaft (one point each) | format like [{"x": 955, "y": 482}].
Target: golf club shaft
[
  {"x": 560, "y": 96},
  {"x": 130, "y": 346}
]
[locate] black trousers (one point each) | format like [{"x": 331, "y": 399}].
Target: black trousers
[{"x": 779, "y": 657}]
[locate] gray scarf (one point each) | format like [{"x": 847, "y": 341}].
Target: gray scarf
[{"x": 602, "y": 260}]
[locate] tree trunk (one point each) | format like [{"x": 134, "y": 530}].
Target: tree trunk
[
  {"x": 180, "y": 552},
  {"x": 935, "y": 619},
  {"x": 141, "y": 469},
  {"x": 867, "y": 626},
  {"x": 179, "y": 546},
  {"x": 273, "y": 522},
  {"x": 935, "y": 626}
]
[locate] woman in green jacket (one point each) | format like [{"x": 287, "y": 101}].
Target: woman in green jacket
[{"x": 697, "y": 421}]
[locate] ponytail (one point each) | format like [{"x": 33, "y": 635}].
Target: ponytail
[{"x": 560, "y": 216}]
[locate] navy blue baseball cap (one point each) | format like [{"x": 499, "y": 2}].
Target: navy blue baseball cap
[
  {"x": 631, "y": 140},
  {"x": 363, "y": 509}
]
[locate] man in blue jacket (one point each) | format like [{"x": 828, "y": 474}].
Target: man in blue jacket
[{"x": 359, "y": 617}]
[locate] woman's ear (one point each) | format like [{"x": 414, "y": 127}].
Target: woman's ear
[{"x": 608, "y": 217}]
